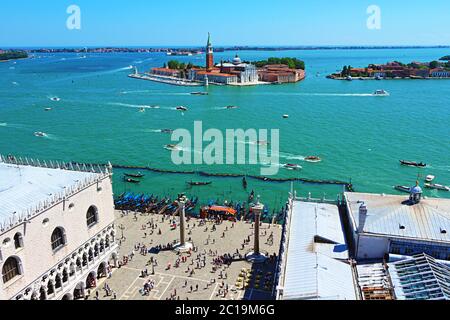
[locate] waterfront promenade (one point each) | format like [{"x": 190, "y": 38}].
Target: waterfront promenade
[{"x": 194, "y": 278}]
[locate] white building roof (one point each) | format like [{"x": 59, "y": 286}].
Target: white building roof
[
  {"x": 25, "y": 188},
  {"x": 311, "y": 271},
  {"x": 389, "y": 215}
]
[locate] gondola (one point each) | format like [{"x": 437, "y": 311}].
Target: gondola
[
  {"x": 413, "y": 164},
  {"x": 130, "y": 180},
  {"x": 198, "y": 183},
  {"x": 134, "y": 175}
]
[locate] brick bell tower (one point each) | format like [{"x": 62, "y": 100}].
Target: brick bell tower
[{"x": 209, "y": 54}]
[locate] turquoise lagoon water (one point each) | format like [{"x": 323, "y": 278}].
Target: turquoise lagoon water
[{"x": 359, "y": 137}]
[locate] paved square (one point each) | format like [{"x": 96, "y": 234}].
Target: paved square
[{"x": 197, "y": 277}]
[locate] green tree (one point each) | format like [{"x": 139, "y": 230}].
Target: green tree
[
  {"x": 173, "y": 64},
  {"x": 434, "y": 64}
]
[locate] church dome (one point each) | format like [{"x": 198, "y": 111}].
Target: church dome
[{"x": 237, "y": 60}]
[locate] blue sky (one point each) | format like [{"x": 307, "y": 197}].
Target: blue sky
[{"x": 231, "y": 22}]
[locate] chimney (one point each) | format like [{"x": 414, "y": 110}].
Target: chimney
[{"x": 362, "y": 215}]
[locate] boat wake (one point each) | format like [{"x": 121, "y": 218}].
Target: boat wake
[
  {"x": 290, "y": 156},
  {"x": 136, "y": 106},
  {"x": 441, "y": 168},
  {"x": 3, "y": 124},
  {"x": 321, "y": 94}
]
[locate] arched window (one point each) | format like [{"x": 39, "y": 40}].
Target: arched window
[
  {"x": 91, "y": 216},
  {"x": 18, "y": 240},
  {"x": 58, "y": 238},
  {"x": 11, "y": 269}
]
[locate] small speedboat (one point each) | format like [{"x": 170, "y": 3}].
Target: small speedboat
[
  {"x": 181, "y": 108},
  {"x": 171, "y": 147},
  {"x": 437, "y": 186},
  {"x": 403, "y": 188},
  {"x": 292, "y": 166},
  {"x": 48, "y": 109},
  {"x": 349, "y": 78},
  {"x": 381, "y": 93},
  {"x": 413, "y": 164},
  {"x": 134, "y": 175},
  {"x": 429, "y": 178},
  {"x": 142, "y": 109},
  {"x": 55, "y": 99},
  {"x": 231, "y": 107},
  {"x": 285, "y": 116},
  {"x": 40, "y": 134},
  {"x": 262, "y": 142},
  {"x": 166, "y": 130},
  {"x": 312, "y": 159},
  {"x": 198, "y": 93}
]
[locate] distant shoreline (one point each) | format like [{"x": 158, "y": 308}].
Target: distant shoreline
[{"x": 148, "y": 49}]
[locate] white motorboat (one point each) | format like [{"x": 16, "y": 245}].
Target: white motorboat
[
  {"x": 181, "y": 108},
  {"x": 312, "y": 159},
  {"x": 171, "y": 147},
  {"x": 48, "y": 109},
  {"x": 55, "y": 99},
  {"x": 429, "y": 178},
  {"x": 285, "y": 116},
  {"x": 40, "y": 134},
  {"x": 292, "y": 166},
  {"x": 437, "y": 186},
  {"x": 381, "y": 93}
]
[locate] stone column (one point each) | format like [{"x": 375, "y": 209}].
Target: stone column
[
  {"x": 182, "y": 246},
  {"x": 181, "y": 205},
  {"x": 256, "y": 256},
  {"x": 257, "y": 209}
]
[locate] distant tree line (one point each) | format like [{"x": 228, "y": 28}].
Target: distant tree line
[
  {"x": 292, "y": 63},
  {"x": 10, "y": 55}
]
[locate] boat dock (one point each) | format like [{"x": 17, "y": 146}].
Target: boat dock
[{"x": 165, "y": 79}]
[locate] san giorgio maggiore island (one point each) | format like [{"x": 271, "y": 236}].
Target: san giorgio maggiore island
[{"x": 235, "y": 72}]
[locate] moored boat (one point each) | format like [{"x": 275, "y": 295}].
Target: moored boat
[
  {"x": 199, "y": 93},
  {"x": 437, "y": 186},
  {"x": 429, "y": 178},
  {"x": 134, "y": 175},
  {"x": 413, "y": 164},
  {"x": 403, "y": 188},
  {"x": 199, "y": 183},
  {"x": 131, "y": 180},
  {"x": 285, "y": 116}
]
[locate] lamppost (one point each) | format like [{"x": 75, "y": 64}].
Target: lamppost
[
  {"x": 256, "y": 256},
  {"x": 182, "y": 246}
]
